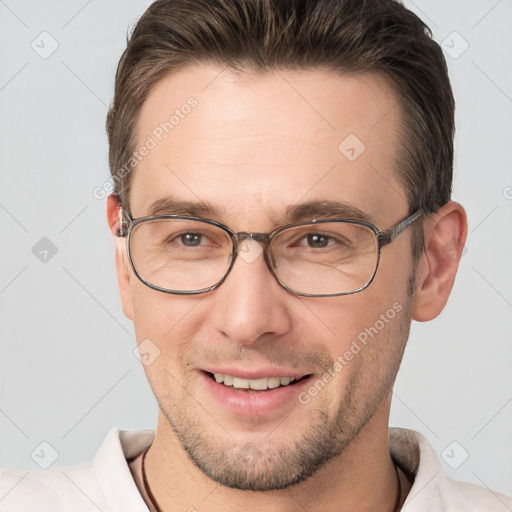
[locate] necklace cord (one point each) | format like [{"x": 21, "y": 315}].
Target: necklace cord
[{"x": 145, "y": 482}]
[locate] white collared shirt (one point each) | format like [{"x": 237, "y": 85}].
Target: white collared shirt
[{"x": 106, "y": 482}]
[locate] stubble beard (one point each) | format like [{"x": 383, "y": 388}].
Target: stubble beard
[{"x": 257, "y": 465}]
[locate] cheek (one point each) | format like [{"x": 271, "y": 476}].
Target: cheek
[
  {"x": 168, "y": 321},
  {"x": 166, "y": 329},
  {"x": 370, "y": 355},
  {"x": 364, "y": 334},
  {"x": 157, "y": 312},
  {"x": 340, "y": 320}
]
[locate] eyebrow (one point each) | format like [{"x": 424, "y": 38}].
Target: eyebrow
[
  {"x": 173, "y": 206},
  {"x": 323, "y": 210},
  {"x": 293, "y": 213}
]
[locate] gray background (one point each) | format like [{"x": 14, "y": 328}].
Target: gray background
[{"x": 68, "y": 372}]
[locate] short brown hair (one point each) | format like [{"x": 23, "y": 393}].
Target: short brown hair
[{"x": 344, "y": 36}]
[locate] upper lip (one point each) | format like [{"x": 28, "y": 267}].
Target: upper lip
[{"x": 260, "y": 373}]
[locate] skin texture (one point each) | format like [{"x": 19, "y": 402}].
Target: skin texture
[{"x": 253, "y": 146}]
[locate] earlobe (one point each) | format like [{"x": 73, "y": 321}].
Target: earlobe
[
  {"x": 122, "y": 266},
  {"x": 445, "y": 236}
]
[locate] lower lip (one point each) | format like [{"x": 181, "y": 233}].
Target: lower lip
[{"x": 254, "y": 403}]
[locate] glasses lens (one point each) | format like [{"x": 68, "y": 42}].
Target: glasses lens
[
  {"x": 180, "y": 255},
  {"x": 325, "y": 258}
]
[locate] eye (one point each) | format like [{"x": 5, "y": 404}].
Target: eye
[
  {"x": 194, "y": 239},
  {"x": 317, "y": 241},
  {"x": 191, "y": 239},
  {"x": 321, "y": 241}
]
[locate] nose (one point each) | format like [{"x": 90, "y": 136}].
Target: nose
[{"x": 250, "y": 303}]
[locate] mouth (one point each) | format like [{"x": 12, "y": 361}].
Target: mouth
[
  {"x": 262, "y": 395},
  {"x": 254, "y": 385}
]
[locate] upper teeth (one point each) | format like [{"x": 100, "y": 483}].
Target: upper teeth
[{"x": 259, "y": 384}]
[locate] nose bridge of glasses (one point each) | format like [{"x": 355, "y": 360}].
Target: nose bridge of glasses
[
  {"x": 257, "y": 237},
  {"x": 263, "y": 238}
]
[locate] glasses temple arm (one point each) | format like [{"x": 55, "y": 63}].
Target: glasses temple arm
[
  {"x": 124, "y": 220},
  {"x": 388, "y": 235}
]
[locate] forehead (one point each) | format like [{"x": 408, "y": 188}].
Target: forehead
[{"x": 250, "y": 143}]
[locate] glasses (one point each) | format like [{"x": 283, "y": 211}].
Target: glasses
[{"x": 318, "y": 258}]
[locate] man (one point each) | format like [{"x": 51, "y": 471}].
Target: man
[{"x": 282, "y": 211}]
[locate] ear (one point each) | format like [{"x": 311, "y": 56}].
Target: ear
[
  {"x": 445, "y": 235},
  {"x": 123, "y": 268}
]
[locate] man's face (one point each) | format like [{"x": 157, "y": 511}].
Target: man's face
[{"x": 252, "y": 147}]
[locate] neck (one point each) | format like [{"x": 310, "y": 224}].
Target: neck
[{"x": 362, "y": 478}]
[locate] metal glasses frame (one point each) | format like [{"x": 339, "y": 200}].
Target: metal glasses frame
[{"x": 384, "y": 237}]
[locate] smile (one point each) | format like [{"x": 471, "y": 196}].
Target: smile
[{"x": 260, "y": 384}]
